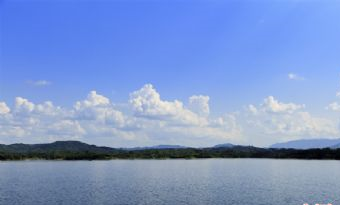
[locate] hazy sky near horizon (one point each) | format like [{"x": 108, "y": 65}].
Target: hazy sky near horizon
[{"x": 135, "y": 73}]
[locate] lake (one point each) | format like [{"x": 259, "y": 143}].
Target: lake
[{"x": 209, "y": 181}]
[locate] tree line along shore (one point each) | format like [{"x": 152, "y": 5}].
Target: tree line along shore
[{"x": 74, "y": 150}]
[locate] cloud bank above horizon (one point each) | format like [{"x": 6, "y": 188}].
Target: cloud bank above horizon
[{"x": 147, "y": 119}]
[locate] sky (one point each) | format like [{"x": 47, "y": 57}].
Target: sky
[{"x": 196, "y": 73}]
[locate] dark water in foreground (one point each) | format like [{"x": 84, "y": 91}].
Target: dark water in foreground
[{"x": 212, "y": 181}]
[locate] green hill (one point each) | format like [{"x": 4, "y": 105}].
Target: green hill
[{"x": 75, "y": 150}]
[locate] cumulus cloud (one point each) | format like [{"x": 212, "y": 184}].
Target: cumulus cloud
[
  {"x": 66, "y": 128},
  {"x": 172, "y": 120},
  {"x": 252, "y": 109},
  {"x": 272, "y": 105},
  {"x": 93, "y": 99},
  {"x": 288, "y": 121},
  {"x": 47, "y": 108},
  {"x": 334, "y": 106},
  {"x": 3, "y": 108},
  {"x": 199, "y": 104},
  {"x": 23, "y": 105},
  {"x": 32, "y": 121},
  {"x": 98, "y": 108},
  {"x": 147, "y": 102},
  {"x": 147, "y": 119}
]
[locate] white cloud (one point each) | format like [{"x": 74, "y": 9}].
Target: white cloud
[
  {"x": 199, "y": 104},
  {"x": 288, "y": 121},
  {"x": 337, "y": 94},
  {"x": 147, "y": 103},
  {"x": 334, "y": 106},
  {"x": 252, "y": 109},
  {"x": 98, "y": 108},
  {"x": 93, "y": 99},
  {"x": 294, "y": 76},
  {"x": 40, "y": 83},
  {"x": 147, "y": 119},
  {"x": 31, "y": 122},
  {"x": 47, "y": 108},
  {"x": 66, "y": 128},
  {"x": 23, "y": 105},
  {"x": 272, "y": 105},
  {"x": 3, "y": 108}
]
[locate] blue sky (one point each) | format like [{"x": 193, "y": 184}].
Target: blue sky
[{"x": 236, "y": 52}]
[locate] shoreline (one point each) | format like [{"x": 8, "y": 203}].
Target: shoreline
[{"x": 164, "y": 159}]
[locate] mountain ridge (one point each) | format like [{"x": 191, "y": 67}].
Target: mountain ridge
[
  {"x": 306, "y": 144},
  {"x": 157, "y": 147},
  {"x": 55, "y": 146},
  {"x": 75, "y": 150},
  {"x": 225, "y": 145}
]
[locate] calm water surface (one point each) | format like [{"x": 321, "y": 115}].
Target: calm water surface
[{"x": 212, "y": 181}]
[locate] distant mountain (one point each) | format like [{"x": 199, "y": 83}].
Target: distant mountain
[
  {"x": 64, "y": 146},
  {"x": 226, "y": 145},
  {"x": 157, "y": 147},
  {"x": 337, "y": 146},
  {"x": 308, "y": 144}
]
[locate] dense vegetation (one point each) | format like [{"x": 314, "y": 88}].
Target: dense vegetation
[{"x": 73, "y": 150}]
